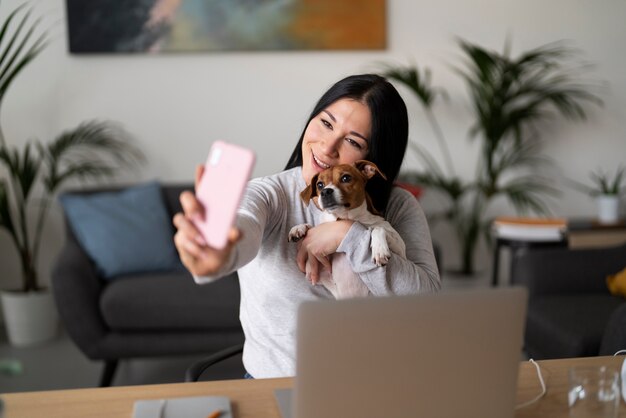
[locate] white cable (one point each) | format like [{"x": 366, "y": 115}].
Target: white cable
[
  {"x": 619, "y": 352},
  {"x": 543, "y": 388}
]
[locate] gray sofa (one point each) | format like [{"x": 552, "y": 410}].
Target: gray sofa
[
  {"x": 570, "y": 310},
  {"x": 142, "y": 315}
]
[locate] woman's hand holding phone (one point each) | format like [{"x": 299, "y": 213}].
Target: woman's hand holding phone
[
  {"x": 206, "y": 234},
  {"x": 197, "y": 257}
]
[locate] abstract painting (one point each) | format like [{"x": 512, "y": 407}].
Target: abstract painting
[{"x": 151, "y": 26}]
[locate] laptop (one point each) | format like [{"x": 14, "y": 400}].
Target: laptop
[{"x": 447, "y": 355}]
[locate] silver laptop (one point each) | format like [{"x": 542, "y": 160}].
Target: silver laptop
[{"x": 448, "y": 355}]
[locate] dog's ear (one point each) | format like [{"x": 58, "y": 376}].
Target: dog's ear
[
  {"x": 310, "y": 191},
  {"x": 368, "y": 169}
]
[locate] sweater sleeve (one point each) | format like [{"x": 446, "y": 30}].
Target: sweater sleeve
[{"x": 417, "y": 273}]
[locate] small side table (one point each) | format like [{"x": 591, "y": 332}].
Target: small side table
[
  {"x": 580, "y": 233},
  {"x": 516, "y": 245}
]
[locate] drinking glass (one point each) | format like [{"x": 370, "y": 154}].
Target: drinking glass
[{"x": 593, "y": 392}]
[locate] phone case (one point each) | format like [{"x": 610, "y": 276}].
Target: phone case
[{"x": 220, "y": 190}]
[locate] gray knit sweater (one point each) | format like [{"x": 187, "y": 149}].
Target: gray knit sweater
[{"x": 272, "y": 286}]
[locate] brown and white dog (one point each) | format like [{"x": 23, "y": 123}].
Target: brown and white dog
[{"x": 340, "y": 193}]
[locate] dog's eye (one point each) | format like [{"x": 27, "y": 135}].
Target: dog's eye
[
  {"x": 319, "y": 185},
  {"x": 346, "y": 178}
]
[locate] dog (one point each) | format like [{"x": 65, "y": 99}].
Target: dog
[{"x": 339, "y": 192}]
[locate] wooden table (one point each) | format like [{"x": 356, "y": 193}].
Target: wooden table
[
  {"x": 554, "y": 403},
  {"x": 255, "y": 398}
]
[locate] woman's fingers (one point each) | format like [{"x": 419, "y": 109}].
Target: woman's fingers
[
  {"x": 193, "y": 210},
  {"x": 191, "y": 206},
  {"x": 310, "y": 263},
  {"x": 198, "y": 258},
  {"x": 187, "y": 244},
  {"x": 185, "y": 226},
  {"x": 316, "y": 264},
  {"x": 234, "y": 235},
  {"x": 313, "y": 270},
  {"x": 301, "y": 257}
]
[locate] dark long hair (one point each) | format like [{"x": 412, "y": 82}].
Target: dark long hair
[{"x": 390, "y": 128}]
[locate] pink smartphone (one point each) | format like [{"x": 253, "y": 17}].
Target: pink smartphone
[{"x": 226, "y": 173}]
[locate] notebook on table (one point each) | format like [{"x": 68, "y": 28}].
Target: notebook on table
[
  {"x": 446, "y": 355},
  {"x": 187, "y": 407}
]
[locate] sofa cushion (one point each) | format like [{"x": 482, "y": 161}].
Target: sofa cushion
[
  {"x": 170, "y": 302},
  {"x": 123, "y": 232},
  {"x": 569, "y": 325}
]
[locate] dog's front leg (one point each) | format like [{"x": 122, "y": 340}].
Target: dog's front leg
[{"x": 380, "y": 249}]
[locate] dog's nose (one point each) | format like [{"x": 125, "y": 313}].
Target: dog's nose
[{"x": 326, "y": 192}]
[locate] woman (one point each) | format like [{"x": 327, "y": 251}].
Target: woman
[{"x": 359, "y": 117}]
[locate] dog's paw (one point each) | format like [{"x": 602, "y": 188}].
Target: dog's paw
[
  {"x": 380, "y": 253},
  {"x": 381, "y": 258},
  {"x": 298, "y": 232},
  {"x": 380, "y": 249}
]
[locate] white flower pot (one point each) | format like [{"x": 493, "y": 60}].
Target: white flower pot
[
  {"x": 608, "y": 209},
  {"x": 31, "y": 318}
]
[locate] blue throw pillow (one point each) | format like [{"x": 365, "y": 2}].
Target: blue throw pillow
[{"x": 124, "y": 232}]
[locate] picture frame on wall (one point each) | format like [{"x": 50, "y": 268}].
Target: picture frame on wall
[{"x": 161, "y": 26}]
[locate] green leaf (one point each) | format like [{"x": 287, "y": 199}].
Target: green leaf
[
  {"x": 5, "y": 211},
  {"x": 527, "y": 193},
  {"x": 14, "y": 37},
  {"x": 22, "y": 168},
  {"x": 92, "y": 150},
  {"x": 509, "y": 95},
  {"x": 17, "y": 53},
  {"x": 617, "y": 180},
  {"x": 602, "y": 182},
  {"x": 418, "y": 83}
]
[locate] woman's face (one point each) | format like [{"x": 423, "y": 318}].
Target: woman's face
[{"x": 339, "y": 134}]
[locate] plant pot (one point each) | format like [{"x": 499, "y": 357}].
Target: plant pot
[
  {"x": 608, "y": 209},
  {"x": 31, "y": 318}
]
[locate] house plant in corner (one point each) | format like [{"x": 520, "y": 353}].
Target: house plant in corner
[
  {"x": 607, "y": 190},
  {"x": 508, "y": 97},
  {"x": 31, "y": 175}
]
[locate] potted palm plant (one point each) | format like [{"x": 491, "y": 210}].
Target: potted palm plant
[
  {"x": 508, "y": 97},
  {"x": 607, "y": 190},
  {"x": 31, "y": 175}
]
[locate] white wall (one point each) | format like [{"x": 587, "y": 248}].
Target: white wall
[{"x": 175, "y": 105}]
